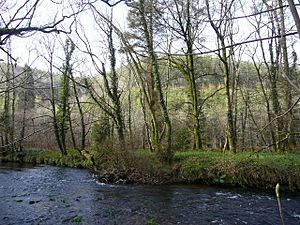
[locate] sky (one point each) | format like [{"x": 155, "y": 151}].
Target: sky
[{"x": 32, "y": 50}]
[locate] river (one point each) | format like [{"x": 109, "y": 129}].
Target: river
[{"x": 56, "y": 195}]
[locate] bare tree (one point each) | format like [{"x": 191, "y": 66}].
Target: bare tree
[
  {"x": 113, "y": 3},
  {"x": 112, "y": 105},
  {"x": 22, "y": 19},
  {"x": 183, "y": 20},
  {"x": 142, "y": 21},
  {"x": 221, "y": 27}
]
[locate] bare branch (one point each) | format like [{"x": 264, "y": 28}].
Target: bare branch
[{"x": 295, "y": 15}]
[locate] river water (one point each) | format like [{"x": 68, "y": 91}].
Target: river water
[{"x": 55, "y": 195}]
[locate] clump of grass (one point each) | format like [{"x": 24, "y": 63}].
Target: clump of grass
[
  {"x": 151, "y": 221},
  {"x": 242, "y": 169},
  {"x": 111, "y": 211},
  {"x": 77, "y": 220}
]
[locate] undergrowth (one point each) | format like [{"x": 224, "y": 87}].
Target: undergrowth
[
  {"x": 262, "y": 170},
  {"x": 52, "y": 157},
  {"x": 244, "y": 169}
]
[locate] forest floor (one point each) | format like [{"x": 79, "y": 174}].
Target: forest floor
[{"x": 245, "y": 169}]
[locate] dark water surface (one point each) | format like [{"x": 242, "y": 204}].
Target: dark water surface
[{"x": 55, "y": 195}]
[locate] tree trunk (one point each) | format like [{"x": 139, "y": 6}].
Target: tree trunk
[
  {"x": 286, "y": 73},
  {"x": 166, "y": 152},
  {"x": 231, "y": 134},
  {"x": 81, "y": 114},
  {"x": 295, "y": 15}
]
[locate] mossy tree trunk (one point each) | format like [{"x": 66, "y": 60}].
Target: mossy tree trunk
[
  {"x": 221, "y": 32},
  {"x": 53, "y": 101},
  {"x": 185, "y": 26},
  {"x": 64, "y": 113},
  {"x": 111, "y": 84},
  {"x": 81, "y": 114},
  {"x": 111, "y": 103},
  {"x": 273, "y": 76},
  {"x": 289, "y": 129},
  {"x": 165, "y": 152}
]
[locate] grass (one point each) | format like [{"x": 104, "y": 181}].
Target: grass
[
  {"x": 52, "y": 157},
  {"x": 151, "y": 221},
  {"x": 244, "y": 169},
  {"x": 262, "y": 170},
  {"x": 77, "y": 220}
]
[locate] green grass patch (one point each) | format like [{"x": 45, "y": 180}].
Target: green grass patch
[
  {"x": 77, "y": 220},
  {"x": 52, "y": 157},
  {"x": 244, "y": 169},
  {"x": 151, "y": 221},
  {"x": 262, "y": 170}
]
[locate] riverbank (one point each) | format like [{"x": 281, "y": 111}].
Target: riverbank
[
  {"x": 59, "y": 195},
  {"x": 50, "y": 157},
  {"x": 263, "y": 170}
]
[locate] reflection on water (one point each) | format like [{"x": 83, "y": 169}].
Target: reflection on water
[{"x": 56, "y": 195}]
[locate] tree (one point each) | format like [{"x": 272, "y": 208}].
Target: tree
[
  {"x": 142, "y": 21},
  {"x": 289, "y": 139},
  {"x": 51, "y": 46},
  {"x": 76, "y": 89},
  {"x": 21, "y": 19},
  {"x": 113, "y": 3},
  {"x": 26, "y": 101},
  {"x": 7, "y": 114},
  {"x": 111, "y": 106},
  {"x": 221, "y": 29},
  {"x": 63, "y": 112},
  {"x": 295, "y": 15},
  {"x": 273, "y": 75},
  {"x": 183, "y": 21}
]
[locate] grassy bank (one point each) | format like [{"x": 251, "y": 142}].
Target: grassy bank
[
  {"x": 73, "y": 159},
  {"x": 262, "y": 170}
]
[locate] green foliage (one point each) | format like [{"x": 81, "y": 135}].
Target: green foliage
[
  {"x": 77, "y": 220},
  {"x": 151, "y": 221},
  {"x": 51, "y": 157},
  {"x": 101, "y": 130},
  {"x": 111, "y": 211},
  {"x": 63, "y": 106},
  {"x": 262, "y": 170},
  {"x": 181, "y": 138},
  {"x": 64, "y": 112}
]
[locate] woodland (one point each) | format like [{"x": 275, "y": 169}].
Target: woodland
[{"x": 174, "y": 75}]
